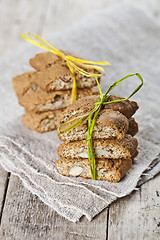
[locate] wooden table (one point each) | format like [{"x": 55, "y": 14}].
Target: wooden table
[{"x": 22, "y": 215}]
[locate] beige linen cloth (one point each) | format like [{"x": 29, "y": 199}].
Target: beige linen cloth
[{"x": 130, "y": 39}]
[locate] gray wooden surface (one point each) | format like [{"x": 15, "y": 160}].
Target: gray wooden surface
[{"x": 22, "y": 215}]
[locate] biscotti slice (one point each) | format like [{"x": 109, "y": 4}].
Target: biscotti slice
[
  {"x": 110, "y": 148},
  {"x": 42, "y": 101},
  {"x": 54, "y": 78},
  {"x": 43, "y": 122},
  {"x": 23, "y": 84},
  {"x": 59, "y": 77},
  {"x": 109, "y": 124},
  {"x": 44, "y": 60},
  {"x": 86, "y": 104},
  {"x": 111, "y": 170}
]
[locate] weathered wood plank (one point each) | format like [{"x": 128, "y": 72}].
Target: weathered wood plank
[
  {"x": 3, "y": 182},
  {"x": 17, "y": 17},
  {"x": 137, "y": 216},
  {"x": 26, "y": 217}
]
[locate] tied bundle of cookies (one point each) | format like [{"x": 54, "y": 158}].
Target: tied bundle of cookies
[
  {"x": 98, "y": 137},
  {"x": 58, "y": 80},
  {"x": 46, "y": 92}
]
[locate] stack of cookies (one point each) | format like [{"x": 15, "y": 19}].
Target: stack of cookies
[
  {"x": 113, "y": 143},
  {"x": 46, "y": 92}
]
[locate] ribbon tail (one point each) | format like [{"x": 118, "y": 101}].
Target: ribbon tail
[{"x": 74, "y": 89}]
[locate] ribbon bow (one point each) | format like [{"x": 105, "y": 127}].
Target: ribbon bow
[
  {"x": 93, "y": 115},
  {"x": 70, "y": 61}
]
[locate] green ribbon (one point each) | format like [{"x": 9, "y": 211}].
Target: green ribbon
[{"x": 93, "y": 115}]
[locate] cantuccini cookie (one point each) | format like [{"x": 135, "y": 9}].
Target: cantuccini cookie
[
  {"x": 42, "y": 122},
  {"x": 44, "y": 60},
  {"x": 49, "y": 88},
  {"x": 109, "y": 148},
  {"x": 59, "y": 77},
  {"x": 109, "y": 124},
  {"x": 85, "y": 105},
  {"x": 103, "y": 121},
  {"x": 106, "y": 169},
  {"x": 112, "y": 146},
  {"x": 23, "y": 84},
  {"x": 42, "y": 101},
  {"x": 56, "y": 77}
]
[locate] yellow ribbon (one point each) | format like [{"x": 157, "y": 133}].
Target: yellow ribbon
[{"x": 70, "y": 61}]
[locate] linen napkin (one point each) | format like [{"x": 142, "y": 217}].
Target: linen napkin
[{"x": 128, "y": 38}]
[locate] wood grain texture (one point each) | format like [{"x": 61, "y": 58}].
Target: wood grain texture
[
  {"x": 3, "y": 182},
  {"x": 137, "y": 216},
  {"x": 26, "y": 217}
]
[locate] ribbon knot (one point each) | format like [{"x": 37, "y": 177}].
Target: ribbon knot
[
  {"x": 72, "y": 62},
  {"x": 99, "y": 102}
]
